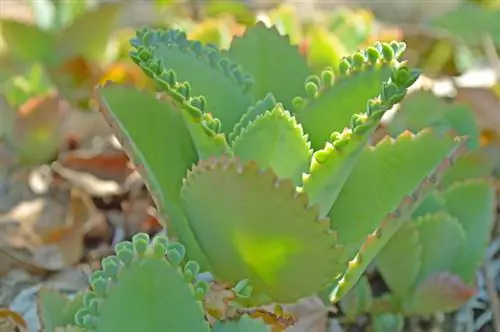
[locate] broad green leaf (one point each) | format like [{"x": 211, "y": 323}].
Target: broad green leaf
[
  {"x": 143, "y": 123},
  {"x": 475, "y": 164},
  {"x": 358, "y": 300},
  {"x": 333, "y": 108},
  {"x": 422, "y": 109},
  {"x": 275, "y": 140},
  {"x": 389, "y": 182},
  {"x": 56, "y": 309},
  {"x": 209, "y": 75},
  {"x": 276, "y": 65},
  {"x": 151, "y": 294},
  {"x": 254, "y": 226},
  {"x": 243, "y": 324},
  {"x": 399, "y": 261},
  {"x": 438, "y": 255},
  {"x": 473, "y": 203},
  {"x": 383, "y": 175},
  {"x": 26, "y": 41}
]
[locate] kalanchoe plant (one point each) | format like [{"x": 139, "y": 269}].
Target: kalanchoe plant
[
  {"x": 431, "y": 262},
  {"x": 270, "y": 186},
  {"x": 264, "y": 180}
]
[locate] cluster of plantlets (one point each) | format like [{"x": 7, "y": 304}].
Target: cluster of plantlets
[
  {"x": 270, "y": 184},
  {"x": 443, "y": 243}
]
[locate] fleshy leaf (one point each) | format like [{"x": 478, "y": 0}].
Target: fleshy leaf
[
  {"x": 423, "y": 109},
  {"x": 141, "y": 123},
  {"x": 221, "y": 82},
  {"x": 56, "y": 309},
  {"x": 140, "y": 290},
  {"x": 276, "y": 65},
  {"x": 473, "y": 203},
  {"x": 358, "y": 300},
  {"x": 266, "y": 104},
  {"x": 26, "y": 41},
  {"x": 474, "y": 164},
  {"x": 384, "y": 174},
  {"x": 438, "y": 255},
  {"x": 405, "y": 249},
  {"x": 440, "y": 292},
  {"x": 331, "y": 102},
  {"x": 259, "y": 228},
  {"x": 275, "y": 140},
  {"x": 380, "y": 169},
  {"x": 244, "y": 324}
]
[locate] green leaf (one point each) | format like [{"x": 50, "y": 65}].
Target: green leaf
[
  {"x": 385, "y": 174},
  {"x": 333, "y": 107},
  {"x": 27, "y": 41},
  {"x": 254, "y": 226},
  {"x": 399, "y": 261},
  {"x": 56, "y": 309},
  {"x": 358, "y": 300},
  {"x": 275, "y": 140},
  {"x": 82, "y": 39},
  {"x": 473, "y": 203},
  {"x": 438, "y": 255},
  {"x": 266, "y": 104},
  {"x": 388, "y": 183},
  {"x": 474, "y": 164},
  {"x": 244, "y": 324},
  {"x": 146, "y": 286},
  {"x": 143, "y": 123},
  {"x": 275, "y": 64},
  {"x": 222, "y": 83},
  {"x": 423, "y": 109}
]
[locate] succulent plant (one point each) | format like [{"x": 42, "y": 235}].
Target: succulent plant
[
  {"x": 263, "y": 180},
  {"x": 431, "y": 262},
  {"x": 270, "y": 184}
]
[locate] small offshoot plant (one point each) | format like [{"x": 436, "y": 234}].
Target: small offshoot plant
[{"x": 266, "y": 174}]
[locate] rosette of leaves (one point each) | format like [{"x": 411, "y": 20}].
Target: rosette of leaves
[
  {"x": 264, "y": 177},
  {"x": 144, "y": 287},
  {"x": 430, "y": 264}
]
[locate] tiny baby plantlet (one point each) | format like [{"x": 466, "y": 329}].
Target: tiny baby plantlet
[
  {"x": 265, "y": 181},
  {"x": 268, "y": 181}
]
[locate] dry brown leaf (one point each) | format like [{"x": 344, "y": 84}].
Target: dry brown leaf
[{"x": 11, "y": 320}]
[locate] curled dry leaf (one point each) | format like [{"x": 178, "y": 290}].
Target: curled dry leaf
[
  {"x": 47, "y": 234},
  {"x": 11, "y": 321}
]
